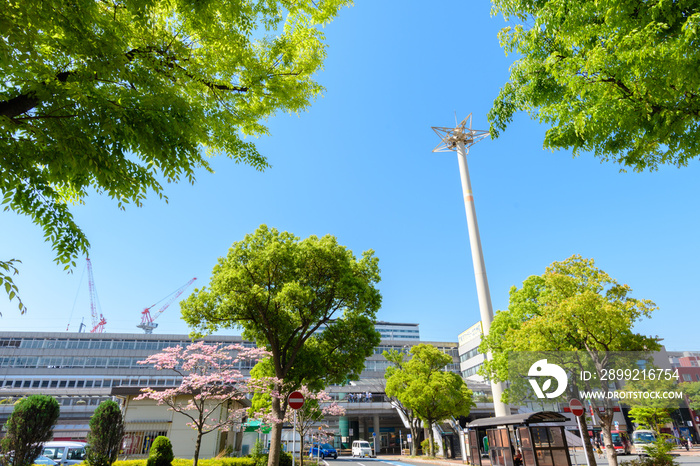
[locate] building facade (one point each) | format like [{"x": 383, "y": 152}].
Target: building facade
[{"x": 83, "y": 369}]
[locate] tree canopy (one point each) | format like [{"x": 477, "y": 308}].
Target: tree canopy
[
  {"x": 573, "y": 310},
  {"x": 119, "y": 97},
  {"x": 615, "y": 78},
  {"x": 422, "y": 385},
  {"x": 309, "y": 302}
]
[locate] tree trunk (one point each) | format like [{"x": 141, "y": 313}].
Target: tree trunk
[
  {"x": 415, "y": 437},
  {"x": 607, "y": 440},
  {"x": 275, "y": 434},
  {"x": 301, "y": 449},
  {"x": 431, "y": 440},
  {"x": 197, "y": 444}
]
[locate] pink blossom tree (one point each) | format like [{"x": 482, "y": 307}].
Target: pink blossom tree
[{"x": 211, "y": 383}]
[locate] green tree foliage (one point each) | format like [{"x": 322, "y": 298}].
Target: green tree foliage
[
  {"x": 692, "y": 392},
  {"x": 7, "y": 270},
  {"x": 397, "y": 359},
  {"x": 309, "y": 302},
  {"x": 106, "y": 433},
  {"x": 30, "y": 424},
  {"x": 422, "y": 385},
  {"x": 572, "y": 307},
  {"x": 120, "y": 97},
  {"x": 161, "y": 453},
  {"x": 652, "y": 413},
  {"x": 612, "y": 77}
]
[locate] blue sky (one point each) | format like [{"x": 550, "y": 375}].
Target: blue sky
[{"x": 358, "y": 165}]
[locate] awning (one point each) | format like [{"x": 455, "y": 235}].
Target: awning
[{"x": 524, "y": 419}]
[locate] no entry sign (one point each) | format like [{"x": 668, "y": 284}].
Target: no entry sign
[
  {"x": 576, "y": 407},
  {"x": 296, "y": 400}
]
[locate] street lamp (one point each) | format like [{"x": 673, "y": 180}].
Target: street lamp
[{"x": 460, "y": 139}]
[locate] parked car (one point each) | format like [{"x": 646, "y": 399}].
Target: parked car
[
  {"x": 65, "y": 453},
  {"x": 361, "y": 448},
  {"x": 326, "y": 451}
]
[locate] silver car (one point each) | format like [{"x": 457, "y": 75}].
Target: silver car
[{"x": 65, "y": 453}]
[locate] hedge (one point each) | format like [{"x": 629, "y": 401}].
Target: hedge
[{"x": 245, "y": 461}]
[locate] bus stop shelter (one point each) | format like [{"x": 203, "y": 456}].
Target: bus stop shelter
[{"x": 533, "y": 434}]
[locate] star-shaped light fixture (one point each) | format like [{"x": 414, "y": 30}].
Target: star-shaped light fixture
[{"x": 450, "y": 137}]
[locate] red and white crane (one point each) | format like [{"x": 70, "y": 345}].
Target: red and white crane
[
  {"x": 147, "y": 324},
  {"x": 98, "y": 323}
]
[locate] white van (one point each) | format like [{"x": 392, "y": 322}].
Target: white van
[
  {"x": 65, "y": 453},
  {"x": 641, "y": 438},
  {"x": 361, "y": 448}
]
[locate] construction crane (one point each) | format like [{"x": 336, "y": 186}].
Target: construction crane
[
  {"x": 98, "y": 323},
  {"x": 147, "y": 324}
]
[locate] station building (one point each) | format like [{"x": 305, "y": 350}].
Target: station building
[{"x": 83, "y": 369}]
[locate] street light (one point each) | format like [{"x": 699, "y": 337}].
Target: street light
[{"x": 460, "y": 139}]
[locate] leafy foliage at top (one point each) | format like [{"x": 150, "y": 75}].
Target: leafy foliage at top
[
  {"x": 309, "y": 302},
  {"x": 615, "y": 77},
  {"x": 119, "y": 96},
  {"x": 573, "y": 306}
]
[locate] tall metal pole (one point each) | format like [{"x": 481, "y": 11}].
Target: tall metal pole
[{"x": 460, "y": 139}]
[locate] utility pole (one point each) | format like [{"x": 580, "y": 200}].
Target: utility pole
[{"x": 460, "y": 139}]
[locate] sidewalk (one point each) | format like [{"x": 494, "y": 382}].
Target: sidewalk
[{"x": 576, "y": 458}]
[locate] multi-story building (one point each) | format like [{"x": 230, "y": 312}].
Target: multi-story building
[{"x": 82, "y": 369}]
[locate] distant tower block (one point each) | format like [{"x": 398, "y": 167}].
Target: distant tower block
[{"x": 460, "y": 139}]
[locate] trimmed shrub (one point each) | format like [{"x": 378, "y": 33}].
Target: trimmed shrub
[
  {"x": 30, "y": 425},
  {"x": 285, "y": 459},
  {"x": 106, "y": 433},
  {"x": 161, "y": 452}
]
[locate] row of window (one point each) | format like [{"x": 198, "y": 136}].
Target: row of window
[
  {"x": 391, "y": 336},
  {"x": 76, "y": 362},
  {"x": 383, "y": 365},
  {"x": 471, "y": 371},
  {"x": 469, "y": 354},
  {"x": 83, "y": 343},
  {"x": 90, "y": 383}
]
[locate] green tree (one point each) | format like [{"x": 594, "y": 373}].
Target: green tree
[
  {"x": 397, "y": 359},
  {"x": 573, "y": 307},
  {"x": 106, "y": 433},
  {"x": 161, "y": 453},
  {"x": 422, "y": 385},
  {"x": 30, "y": 424},
  {"x": 309, "y": 302},
  {"x": 692, "y": 392},
  {"x": 652, "y": 413},
  {"x": 121, "y": 97},
  {"x": 615, "y": 78}
]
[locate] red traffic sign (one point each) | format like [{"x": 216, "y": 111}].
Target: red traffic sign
[
  {"x": 295, "y": 400},
  {"x": 576, "y": 407}
]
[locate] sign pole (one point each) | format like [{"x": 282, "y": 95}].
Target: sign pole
[
  {"x": 578, "y": 410},
  {"x": 294, "y": 439}
]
